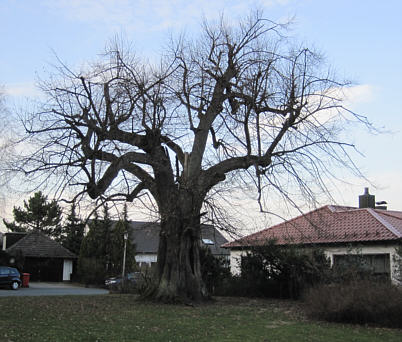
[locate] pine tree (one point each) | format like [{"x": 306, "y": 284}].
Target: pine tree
[
  {"x": 91, "y": 268},
  {"x": 73, "y": 232},
  {"x": 94, "y": 260},
  {"x": 117, "y": 246},
  {"x": 37, "y": 214},
  {"x": 101, "y": 253}
]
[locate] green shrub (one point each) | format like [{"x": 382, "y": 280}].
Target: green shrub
[
  {"x": 278, "y": 272},
  {"x": 358, "y": 302},
  {"x": 91, "y": 271},
  {"x": 236, "y": 286},
  {"x": 214, "y": 270}
]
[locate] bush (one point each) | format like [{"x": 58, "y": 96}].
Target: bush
[
  {"x": 214, "y": 270},
  {"x": 278, "y": 272},
  {"x": 91, "y": 271},
  {"x": 236, "y": 286},
  {"x": 358, "y": 302}
]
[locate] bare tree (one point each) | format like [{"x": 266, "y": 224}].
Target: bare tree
[
  {"x": 7, "y": 144},
  {"x": 5, "y": 125},
  {"x": 238, "y": 104}
]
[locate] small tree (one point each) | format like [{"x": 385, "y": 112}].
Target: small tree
[
  {"x": 37, "y": 214},
  {"x": 73, "y": 232}
]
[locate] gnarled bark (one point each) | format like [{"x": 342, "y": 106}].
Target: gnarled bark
[{"x": 178, "y": 274}]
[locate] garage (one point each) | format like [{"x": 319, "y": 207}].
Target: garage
[{"x": 41, "y": 256}]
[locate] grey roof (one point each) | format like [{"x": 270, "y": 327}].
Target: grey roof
[
  {"x": 38, "y": 245},
  {"x": 209, "y": 232},
  {"x": 145, "y": 236}
]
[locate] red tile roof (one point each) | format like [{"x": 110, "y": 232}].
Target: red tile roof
[{"x": 330, "y": 224}]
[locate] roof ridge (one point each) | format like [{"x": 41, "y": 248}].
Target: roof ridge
[
  {"x": 390, "y": 213},
  {"x": 341, "y": 208},
  {"x": 384, "y": 222}
]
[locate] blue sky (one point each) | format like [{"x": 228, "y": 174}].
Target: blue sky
[{"x": 362, "y": 40}]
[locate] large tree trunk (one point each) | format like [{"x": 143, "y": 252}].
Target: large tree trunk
[{"x": 178, "y": 277}]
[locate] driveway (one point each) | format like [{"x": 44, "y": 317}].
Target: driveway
[{"x": 52, "y": 289}]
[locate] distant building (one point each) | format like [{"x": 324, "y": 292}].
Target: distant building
[{"x": 145, "y": 236}]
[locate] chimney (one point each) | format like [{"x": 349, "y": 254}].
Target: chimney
[{"x": 366, "y": 200}]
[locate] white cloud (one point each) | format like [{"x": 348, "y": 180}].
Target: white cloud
[
  {"x": 349, "y": 98},
  {"x": 22, "y": 90},
  {"x": 386, "y": 186},
  {"x": 151, "y": 15},
  {"x": 359, "y": 94}
]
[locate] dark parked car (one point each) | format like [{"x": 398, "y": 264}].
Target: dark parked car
[
  {"x": 10, "y": 277},
  {"x": 131, "y": 279}
]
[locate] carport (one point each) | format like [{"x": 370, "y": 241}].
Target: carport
[{"x": 42, "y": 257}]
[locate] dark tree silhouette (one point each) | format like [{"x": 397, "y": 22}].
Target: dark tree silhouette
[
  {"x": 101, "y": 252},
  {"x": 236, "y": 104},
  {"x": 94, "y": 257},
  {"x": 73, "y": 231},
  {"x": 38, "y": 214},
  {"x": 117, "y": 246}
]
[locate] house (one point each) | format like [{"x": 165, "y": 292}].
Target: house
[
  {"x": 42, "y": 257},
  {"x": 373, "y": 233},
  {"x": 145, "y": 236}
]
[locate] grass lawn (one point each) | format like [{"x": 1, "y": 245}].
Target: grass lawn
[{"x": 122, "y": 318}]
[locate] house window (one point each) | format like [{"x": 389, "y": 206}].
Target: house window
[
  {"x": 207, "y": 242},
  {"x": 374, "y": 263}
]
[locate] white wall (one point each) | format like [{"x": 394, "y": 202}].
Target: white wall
[
  {"x": 145, "y": 258},
  {"x": 67, "y": 269}
]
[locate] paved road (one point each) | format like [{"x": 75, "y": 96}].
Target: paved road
[{"x": 51, "y": 289}]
